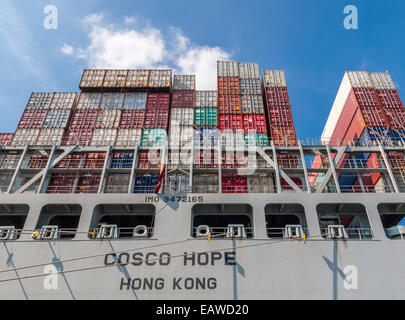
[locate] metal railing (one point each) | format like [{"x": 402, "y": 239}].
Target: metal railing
[
  {"x": 353, "y": 233},
  {"x": 222, "y": 232},
  {"x": 122, "y": 233},
  {"x": 281, "y": 232}
]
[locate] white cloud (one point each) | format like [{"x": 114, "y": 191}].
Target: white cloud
[
  {"x": 68, "y": 50},
  {"x": 114, "y": 47}
]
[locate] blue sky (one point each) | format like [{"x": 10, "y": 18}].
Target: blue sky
[{"x": 305, "y": 38}]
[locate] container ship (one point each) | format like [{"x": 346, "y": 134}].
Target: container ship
[{"x": 142, "y": 187}]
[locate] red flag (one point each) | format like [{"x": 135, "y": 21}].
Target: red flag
[{"x": 159, "y": 184}]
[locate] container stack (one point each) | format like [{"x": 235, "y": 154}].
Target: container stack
[
  {"x": 206, "y": 136},
  {"x": 5, "y": 139},
  {"x": 45, "y": 119},
  {"x": 280, "y": 119},
  {"x": 253, "y": 115}
]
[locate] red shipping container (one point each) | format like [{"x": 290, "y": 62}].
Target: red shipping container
[
  {"x": 396, "y": 118},
  {"x": 132, "y": 119},
  {"x": 79, "y": 137},
  {"x": 228, "y": 86},
  {"x": 156, "y": 119},
  {"x": 373, "y": 162},
  {"x": 280, "y": 116},
  {"x": 234, "y": 185},
  {"x": 32, "y": 119},
  {"x": 277, "y": 97},
  {"x": 346, "y": 117},
  {"x": 61, "y": 183},
  {"x": 158, "y": 101},
  {"x": 70, "y": 161},
  {"x": 229, "y": 104},
  {"x": 389, "y": 99},
  {"x": 396, "y": 160},
  {"x": 38, "y": 162},
  {"x": 373, "y": 116},
  {"x": 287, "y": 161},
  {"x": 183, "y": 99},
  {"x": 230, "y": 121},
  {"x": 282, "y": 136},
  {"x": 88, "y": 183},
  {"x": 83, "y": 119},
  {"x": 254, "y": 123},
  {"x": 5, "y": 139},
  {"x": 286, "y": 186},
  {"x": 366, "y": 97},
  {"x": 94, "y": 160},
  {"x": 205, "y": 159},
  {"x": 145, "y": 163}
]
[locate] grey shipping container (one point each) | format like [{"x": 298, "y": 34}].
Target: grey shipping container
[
  {"x": 56, "y": 119},
  {"x": 90, "y": 100},
  {"x": 64, "y": 100},
  {"x": 160, "y": 79},
  {"x": 40, "y": 100},
  {"x": 227, "y": 68},
  {"x": 274, "y": 79},
  {"x": 250, "y": 86},
  {"x": 249, "y": 70},
  {"x": 184, "y": 82},
  {"x": 252, "y": 104},
  {"x": 206, "y": 99},
  {"x": 112, "y": 100},
  {"x": 135, "y": 100}
]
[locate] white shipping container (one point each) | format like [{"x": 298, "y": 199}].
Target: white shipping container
[
  {"x": 160, "y": 79},
  {"x": 205, "y": 183},
  {"x": 249, "y": 70},
  {"x": 40, "y": 100},
  {"x": 50, "y": 137},
  {"x": 103, "y": 137},
  {"x": 274, "y": 79},
  {"x": 135, "y": 100},
  {"x": 56, "y": 119},
  {"x": 128, "y": 137},
  {"x": 117, "y": 183},
  {"x": 184, "y": 82},
  {"x": 108, "y": 119},
  {"x": 227, "y": 69},
  {"x": 64, "y": 100},
  {"x": 379, "y": 186},
  {"x": 359, "y": 79},
  {"x": 181, "y": 136},
  {"x": 112, "y": 100},
  {"x": 137, "y": 78},
  {"x": 261, "y": 184},
  {"x": 89, "y": 100},
  {"x": 252, "y": 104},
  {"x": 250, "y": 86},
  {"x": 115, "y": 78},
  {"x": 382, "y": 81},
  {"x": 9, "y": 160},
  {"x": 182, "y": 116},
  {"x": 92, "y": 78},
  {"x": 24, "y": 137},
  {"x": 206, "y": 99}
]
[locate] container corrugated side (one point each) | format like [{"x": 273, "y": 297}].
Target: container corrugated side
[
  {"x": 182, "y": 116},
  {"x": 57, "y": 119},
  {"x": 117, "y": 183},
  {"x": 382, "y": 81},
  {"x": 132, "y": 119},
  {"x": 40, "y": 100},
  {"x": 128, "y": 137},
  {"x": 153, "y": 137},
  {"x": 274, "y": 78},
  {"x": 228, "y": 85},
  {"x": 115, "y": 78},
  {"x": 135, "y": 100},
  {"x": 158, "y": 101},
  {"x": 32, "y": 119},
  {"x": 24, "y": 137},
  {"x": 249, "y": 70},
  {"x": 92, "y": 78},
  {"x": 389, "y": 99},
  {"x": 178, "y": 183},
  {"x": 261, "y": 184},
  {"x": 64, "y": 100},
  {"x": 231, "y": 122},
  {"x": 181, "y": 136},
  {"x": 77, "y": 137},
  {"x": 137, "y": 79},
  {"x": 5, "y": 139},
  {"x": 83, "y": 118},
  {"x": 184, "y": 82},
  {"x": 103, "y": 137},
  {"x": 250, "y": 86},
  {"x": 227, "y": 69},
  {"x": 108, "y": 119},
  {"x": 252, "y": 104},
  {"x": 205, "y": 183},
  {"x": 112, "y": 100},
  {"x": 160, "y": 79},
  {"x": 283, "y": 136},
  {"x": 229, "y": 104},
  {"x": 156, "y": 118},
  {"x": 206, "y": 117},
  {"x": 206, "y": 99},
  {"x": 254, "y": 123},
  {"x": 280, "y": 116},
  {"x": 359, "y": 79},
  {"x": 50, "y": 137},
  {"x": 90, "y": 100},
  {"x": 183, "y": 99}
]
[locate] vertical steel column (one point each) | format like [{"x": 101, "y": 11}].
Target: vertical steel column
[
  {"x": 332, "y": 166},
  {"x": 388, "y": 166},
  {"x": 134, "y": 165},
  {"x": 48, "y": 165},
  {"x": 304, "y": 167},
  {"x": 276, "y": 169},
  {"x": 219, "y": 151},
  {"x": 363, "y": 190},
  {"x": 20, "y": 162},
  {"x": 191, "y": 164},
  {"x": 107, "y": 157}
]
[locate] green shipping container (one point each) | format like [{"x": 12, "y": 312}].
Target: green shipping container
[
  {"x": 261, "y": 139},
  {"x": 206, "y": 117},
  {"x": 153, "y": 137}
]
